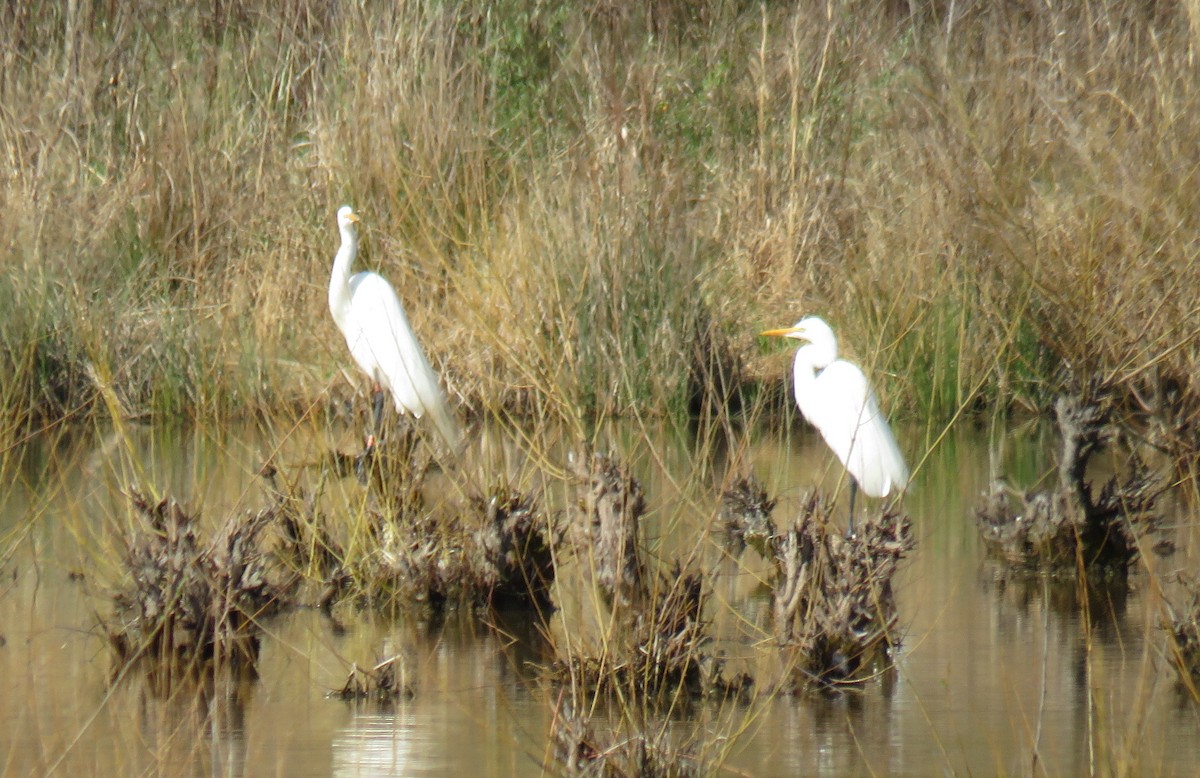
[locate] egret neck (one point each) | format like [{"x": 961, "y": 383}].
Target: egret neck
[
  {"x": 339, "y": 279},
  {"x": 810, "y": 360}
]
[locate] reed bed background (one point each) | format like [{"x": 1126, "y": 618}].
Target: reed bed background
[{"x": 592, "y": 208}]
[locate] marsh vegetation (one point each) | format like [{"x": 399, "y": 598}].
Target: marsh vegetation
[{"x": 589, "y": 211}]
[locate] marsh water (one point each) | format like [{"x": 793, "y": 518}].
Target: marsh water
[{"x": 994, "y": 676}]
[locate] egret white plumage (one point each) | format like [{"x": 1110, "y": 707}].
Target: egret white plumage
[
  {"x": 370, "y": 316},
  {"x": 836, "y": 398}
]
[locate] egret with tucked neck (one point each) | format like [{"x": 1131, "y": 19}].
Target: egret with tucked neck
[
  {"x": 836, "y": 398},
  {"x": 370, "y": 316}
]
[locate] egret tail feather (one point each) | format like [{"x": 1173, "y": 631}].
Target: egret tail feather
[{"x": 446, "y": 425}]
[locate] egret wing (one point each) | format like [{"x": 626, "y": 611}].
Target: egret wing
[
  {"x": 847, "y": 414},
  {"x": 389, "y": 351}
]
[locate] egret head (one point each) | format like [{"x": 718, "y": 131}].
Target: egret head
[
  {"x": 812, "y": 329},
  {"x": 346, "y": 217},
  {"x": 818, "y": 344}
]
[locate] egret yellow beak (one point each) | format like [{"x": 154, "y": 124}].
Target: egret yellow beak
[
  {"x": 783, "y": 333},
  {"x": 353, "y": 218}
]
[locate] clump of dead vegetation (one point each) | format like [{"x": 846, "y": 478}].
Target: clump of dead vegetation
[
  {"x": 1070, "y": 527},
  {"x": 746, "y": 516},
  {"x": 516, "y": 544},
  {"x": 435, "y": 562},
  {"x": 413, "y": 563},
  {"x": 833, "y": 606},
  {"x": 605, "y": 526},
  {"x": 656, "y": 650},
  {"x": 833, "y": 602},
  {"x": 497, "y": 553},
  {"x": 384, "y": 682},
  {"x": 188, "y": 602},
  {"x": 1183, "y": 625}
]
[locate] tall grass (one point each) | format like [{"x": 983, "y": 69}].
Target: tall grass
[{"x": 570, "y": 198}]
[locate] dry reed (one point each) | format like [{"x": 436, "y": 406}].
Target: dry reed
[{"x": 592, "y": 209}]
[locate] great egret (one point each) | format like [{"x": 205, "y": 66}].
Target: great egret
[
  {"x": 836, "y": 398},
  {"x": 370, "y": 316}
]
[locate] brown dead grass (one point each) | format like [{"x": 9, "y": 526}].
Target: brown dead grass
[{"x": 986, "y": 206}]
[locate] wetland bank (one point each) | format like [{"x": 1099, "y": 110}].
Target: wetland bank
[{"x": 589, "y": 211}]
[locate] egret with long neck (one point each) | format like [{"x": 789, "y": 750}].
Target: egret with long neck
[
  {"x": 836, "y": 398},
  {"x": 367, "y": 310}
]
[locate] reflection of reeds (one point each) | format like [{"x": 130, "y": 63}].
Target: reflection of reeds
[{"x": 643, "y": 752}]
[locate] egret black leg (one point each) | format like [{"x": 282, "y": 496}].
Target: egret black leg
[
  {"x": 377, "y": 398},
  {"x": 853, "y": 493},
  {"x": 363, "y": 465}
]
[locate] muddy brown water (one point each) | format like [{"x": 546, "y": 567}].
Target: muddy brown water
[{"x": 991, "y": 678}]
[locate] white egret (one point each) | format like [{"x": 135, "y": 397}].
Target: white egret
[
  {"x": 836, "y": 398},
  {"x": 370, "y": 316}
]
